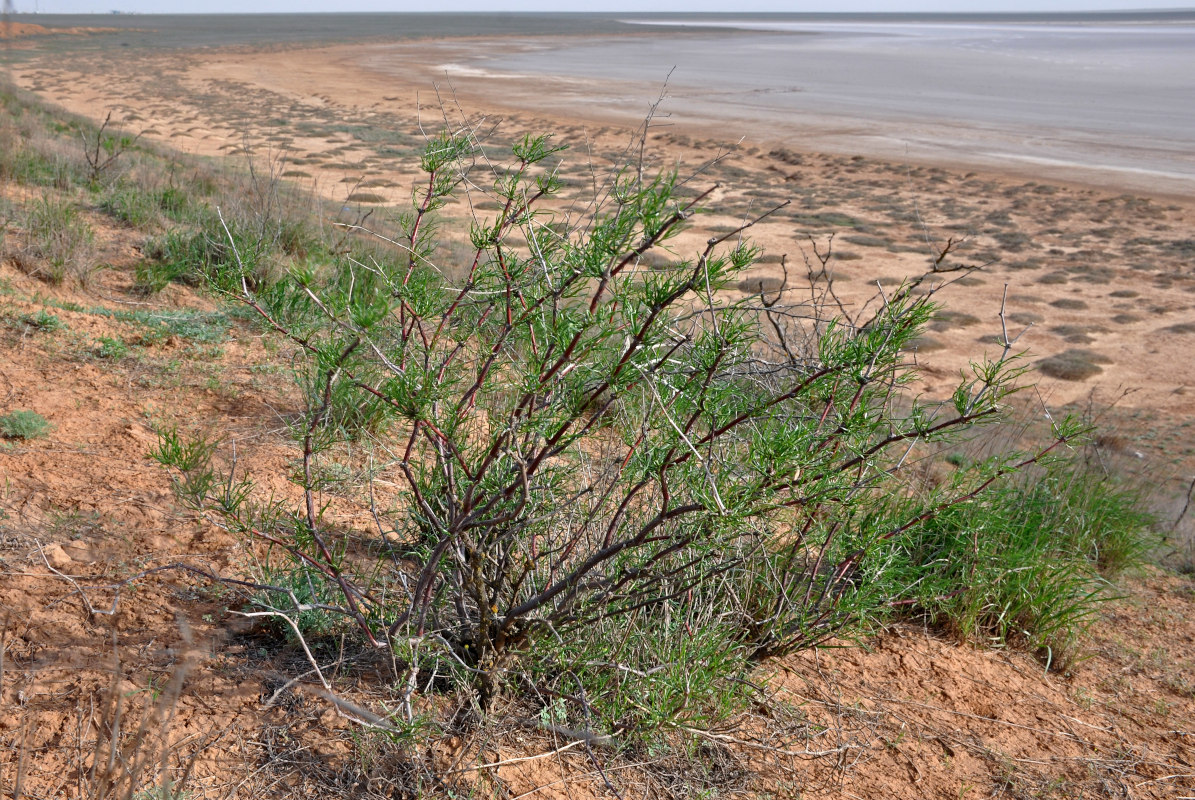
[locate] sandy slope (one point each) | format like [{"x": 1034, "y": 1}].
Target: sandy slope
[{"x": 910, "y": 715}]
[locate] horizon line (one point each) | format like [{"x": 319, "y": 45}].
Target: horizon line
[{"x": 970, "y": 13}]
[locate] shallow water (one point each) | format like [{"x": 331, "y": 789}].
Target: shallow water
[{"x": 1112, "y": 96}]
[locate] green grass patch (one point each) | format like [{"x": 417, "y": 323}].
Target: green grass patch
[
  {"x": 23, "y": 424},
  {"x": 130, "y": 204},
  {"x": 111, "y": 349},
  {"x": 1028, "y": 562}
]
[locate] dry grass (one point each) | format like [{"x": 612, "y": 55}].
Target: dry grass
[
  {"x": 925, "y": 344},
  {"x": 946, "y": 319},
  {"x": 58, "y": 244},
  {"x": 366, "y": 197},
  {"x": 1127, "y": 319},
  {"x": 1181, "y": 327}
]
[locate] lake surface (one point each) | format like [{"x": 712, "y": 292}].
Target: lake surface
[{"x": 1102, "y": 95}]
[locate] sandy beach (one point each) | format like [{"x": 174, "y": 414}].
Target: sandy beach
[{"x": 1090, "y": 261}]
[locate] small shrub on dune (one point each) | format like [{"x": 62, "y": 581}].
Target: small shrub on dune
[{"x": 618, "y": 483}]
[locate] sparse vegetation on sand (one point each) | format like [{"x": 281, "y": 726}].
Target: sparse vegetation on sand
[{"x": 535, "y": 472}]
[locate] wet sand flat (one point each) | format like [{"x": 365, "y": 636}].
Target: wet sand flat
[{"x": 1110, "y": 100}]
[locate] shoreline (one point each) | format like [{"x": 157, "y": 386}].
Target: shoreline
[
  {"x": 498, "y": 64},
  {"x": 523, "y": 94}
]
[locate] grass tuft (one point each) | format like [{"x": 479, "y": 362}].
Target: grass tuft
[
  {"x": 59, "y": 242},
  {"x": 1029, "y": 561}
]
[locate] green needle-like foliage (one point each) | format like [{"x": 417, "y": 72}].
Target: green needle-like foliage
[{"x": 620, "y": 482}]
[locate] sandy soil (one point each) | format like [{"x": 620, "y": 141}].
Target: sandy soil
[{"x": 909, "y": 715}]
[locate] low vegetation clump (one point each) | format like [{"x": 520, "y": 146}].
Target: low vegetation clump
[
  {"x": 606, "y": 477},
  {"x": 1026, "y": 561},
  {"x": 23, "y": 424},
  {"x": 1075, "y": 364},
  {"x": 945, "y": 320},
  {"x": 43, "y": 321},
  {"x": 59, "y": 243},
  {"x": 622, "y": 485}
]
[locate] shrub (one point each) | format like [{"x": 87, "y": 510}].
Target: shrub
[
  {"x": 103, "y": 148},
  {"x": 23, "y": 425},
  {"x": 618, "y": 484}
]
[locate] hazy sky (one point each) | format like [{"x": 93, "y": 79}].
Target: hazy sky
[{"x": 224, "y": 6}]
